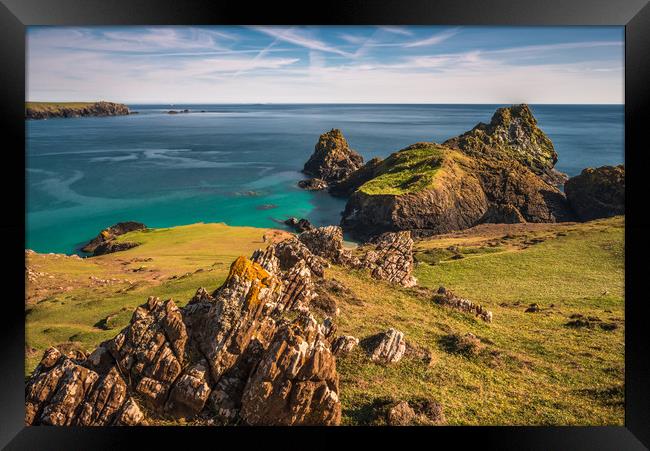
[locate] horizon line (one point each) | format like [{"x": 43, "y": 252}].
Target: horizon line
[{"x": 319, "y": 103}]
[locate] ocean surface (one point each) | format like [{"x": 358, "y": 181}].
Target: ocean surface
[{"x": 239, "y": 164}]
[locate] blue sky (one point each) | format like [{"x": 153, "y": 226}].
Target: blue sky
[{"x": 325, "y": 64}]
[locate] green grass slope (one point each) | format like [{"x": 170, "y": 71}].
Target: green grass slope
[
  {"x": 409, "y": 170},
  {"x": 533, "y": 369}
]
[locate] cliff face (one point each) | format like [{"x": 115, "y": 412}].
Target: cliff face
[
  {"x": 497, "y": 173},
  {"x": 597, "y": 193},
  {"x": 332, "y": 160},
  {"x": 38, "y": 110}
]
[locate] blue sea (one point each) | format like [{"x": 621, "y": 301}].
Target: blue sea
[{"x": 239, "y": 164}]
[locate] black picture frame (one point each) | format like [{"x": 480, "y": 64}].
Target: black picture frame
[{"x": 15, "y": 15}]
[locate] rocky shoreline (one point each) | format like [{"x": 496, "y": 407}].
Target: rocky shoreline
[{"x": 45, "y": 110}]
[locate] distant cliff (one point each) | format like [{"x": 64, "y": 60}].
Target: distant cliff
[{"x": 45, "y": 110}]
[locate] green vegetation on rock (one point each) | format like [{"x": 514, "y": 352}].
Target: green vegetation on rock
[{"x": 410, "y": 170}]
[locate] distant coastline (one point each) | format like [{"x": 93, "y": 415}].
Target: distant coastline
[{"x": 46, "y": 110}]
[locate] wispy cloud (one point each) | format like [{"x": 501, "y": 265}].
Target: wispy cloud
[
  {"x": 397, "y": 30},
  {"x": 127, "y": 41},
  {"x": 296, "y": 37},
  {"x": 323, "y": 64},
  {"x": 433, "y": 40}
]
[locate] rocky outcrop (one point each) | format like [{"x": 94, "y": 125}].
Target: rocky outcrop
[
  {"x": 344, "y": 344},
  {"x": 295, "y": 381},
  {"x": 44, "y": 110},
  {"x": 332, "y": 160},
  {"x": 385, "y": 347},
  {"x": 389, "y": 257},
  {"x": 232, "y": 355},
  {"x": 111, "y": 246},
  {"x": 512, "y": 133},
  {"x": 501, "y": 173},
  {"x": 448, "y": 299},
  {"x": 314, "y": 184},
  {"x": 597, "y": 193},
  {"x": 64, "y": 392},
  {"x": 327, "y": 242},
  {"x": 299, "y": 225},
  {"x": 110, "y": 233}
]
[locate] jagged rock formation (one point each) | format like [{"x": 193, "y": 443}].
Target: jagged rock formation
[
  {"x": 385, "y": 347},
  {"x": 102, "y": 243},
  {"x": 512, "y": 133},
  {"x": 296, "y": 381},
  {"x": 332, "y": 160},
  {"x": 448, "y": 299},
  {"x": 38, "y": 110},
  {"x": 390, "y": 258},
  {"x": 230, "y": 355},
  {"x": 327, "y": 242},
  {"x": 501, "y": 172},
  {"x": 597, "y": 193},
  {"x": 63, "y": 392}
]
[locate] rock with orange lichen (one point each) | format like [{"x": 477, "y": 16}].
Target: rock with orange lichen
[{"x": 209, "y": 358}]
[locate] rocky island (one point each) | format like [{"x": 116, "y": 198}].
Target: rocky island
[
  {"x": 501, "y": 172},
  {"x": 46, "y": 110}
]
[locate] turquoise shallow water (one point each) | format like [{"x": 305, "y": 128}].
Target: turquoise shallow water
[{"x": 230, "y": 163}]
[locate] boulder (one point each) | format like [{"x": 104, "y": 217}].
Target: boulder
[
  {"x": 344, "y": 344},
  {"x": 111, "y": 232},
  {"x": 190, "y": 393},
  {"x": 300, "y": 225},
  {"x": 332, "y": 160},
  {"x": 597, "y": 193},
  {"x": 447, "y": 298},
  {"x": 401, "y": 414},
  {"x": 385, "y": 347},
  {"x": 313, "y": 184}
]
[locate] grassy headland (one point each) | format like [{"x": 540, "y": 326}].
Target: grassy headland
[
  {"x": 409, "y": 170},
  {"x": 45, "y": 110}
]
